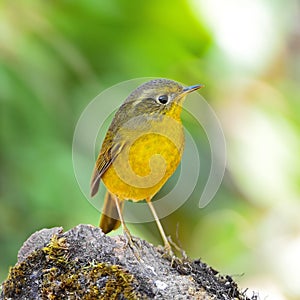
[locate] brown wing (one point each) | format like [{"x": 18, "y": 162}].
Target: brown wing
[
  {"x": 111, "y": 147},
  {"x": 107, "y": 155}
]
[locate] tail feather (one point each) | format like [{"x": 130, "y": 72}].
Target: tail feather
[{"x": 110, "y": 219}]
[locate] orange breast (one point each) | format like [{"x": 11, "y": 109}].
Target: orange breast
[{"x": 145, "y": 163}]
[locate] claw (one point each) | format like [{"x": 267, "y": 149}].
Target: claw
[{"x": 131, "y": 244}]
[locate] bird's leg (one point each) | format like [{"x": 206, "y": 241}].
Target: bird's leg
[
  {"x": 160, "y": 228},
  {"x": 129, "y": 240},
  {"x": 125, "y": 229}
]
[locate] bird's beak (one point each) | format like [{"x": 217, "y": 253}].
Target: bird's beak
[
  {"x": 186, "y": 91},
  {"x": 192, "y": 88}
]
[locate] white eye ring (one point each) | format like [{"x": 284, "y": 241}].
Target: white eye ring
[{"x": 163, "y": 99}]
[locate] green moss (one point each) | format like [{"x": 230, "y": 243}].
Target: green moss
[
  {"x": 56, "y": 250},
  {"x": 84, "y": 282},
  {"x": 58, "y": 277}
]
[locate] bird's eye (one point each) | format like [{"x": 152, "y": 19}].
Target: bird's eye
[{"x": 163, "y": 99}]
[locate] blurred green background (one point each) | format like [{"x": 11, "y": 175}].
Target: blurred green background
[{"x": 56, "y": 56}]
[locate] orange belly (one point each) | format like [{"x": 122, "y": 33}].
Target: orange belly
[{"x": 142, "y": 168}]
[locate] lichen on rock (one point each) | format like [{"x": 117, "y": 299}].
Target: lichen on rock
[{"x": 84, "y": 263}]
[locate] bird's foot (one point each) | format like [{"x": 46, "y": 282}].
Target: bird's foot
[
  {"x": 130, "y": 243},
  {"x": 177, "y": 248}
]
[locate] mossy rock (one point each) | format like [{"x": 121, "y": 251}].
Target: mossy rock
[{"x": 84, "y": 263}]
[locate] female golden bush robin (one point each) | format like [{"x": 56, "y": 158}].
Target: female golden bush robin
[{"x": 141, "y": 150}]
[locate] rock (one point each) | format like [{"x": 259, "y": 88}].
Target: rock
[{"x": 84, "y": 263}]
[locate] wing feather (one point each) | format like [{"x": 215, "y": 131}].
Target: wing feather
[{"x": 107, "y": 155}]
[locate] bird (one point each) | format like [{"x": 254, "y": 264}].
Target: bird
[{"x": 141, "y": 150}]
